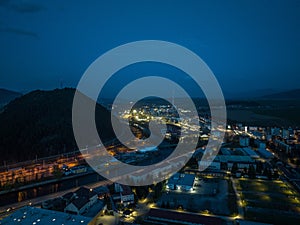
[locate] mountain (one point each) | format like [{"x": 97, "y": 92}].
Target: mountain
[
  {"x": 249, "y": 94},
  {"x": 292, "y": 94},
  {"x": 40, "y": 124},
  {"x": 6, "y": 96}
]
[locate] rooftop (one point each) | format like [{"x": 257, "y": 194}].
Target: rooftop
[
  {"x": 265, "y": 153},
  {"x": 148, "y": 149},
  {"x": 167, "y": 215},
  {"x": 68, "y": 195},
  {"x": 250, "y": 152},
  {"x": 31, "y": 216},
  {"x": 182, "y": 179},
  {"x": 85, "y": 192},
  {"x": 126, "y": 190},
  {"x": 80, "y": 202}
]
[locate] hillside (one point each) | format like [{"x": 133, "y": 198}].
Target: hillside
[
  {"x": 6, "y": 96},
  {"x": 40, "y": 123},
  {"x": 281, "y": 109},
  {"x": 292, "y": 94}
]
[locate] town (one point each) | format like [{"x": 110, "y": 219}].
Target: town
[
  {"x": 149, "y": 112},
  {"x": 255, "y": 177}
]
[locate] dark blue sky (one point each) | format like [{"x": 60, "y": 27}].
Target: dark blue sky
[{"x": 249, "y": 45}]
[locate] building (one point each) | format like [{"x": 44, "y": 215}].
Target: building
[
  {"x": 148, "y": 149},
  {"x": 257, "y": 134},
  {"x": 127, "y": 195},
  {"x": 79, "y": 206},
  {"x": 241, "y": 161},
  {"x": 90, "y": 194},
  {"x": 251, "y": 153},
  {"x": 283, "y": 146},
  {"x": 102, "y": 191},
  {"x": 181, "y": 181},
  {"x": 260, "y": 144},
  {"x": 160, "y": 216},
  {"x": 265, "y": 153},
  {"x": 57, "y": 204},
  {"x": 275, "y": 131},
  {"x": 285, "y": 134},
  {"x": 84, "y": 198},
  {"x": 244, "y": 141},
  {"x": 225, "y": 151},
  {"x": 156, "y": 171},
  {"x": 68, "y": 197},
  {"x": 123, "y": 194},
  {"x": 75, "y": 170},
  {"x": 31, "y": 216}
]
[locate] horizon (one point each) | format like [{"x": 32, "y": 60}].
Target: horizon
[{"x": 242, "y": 95}]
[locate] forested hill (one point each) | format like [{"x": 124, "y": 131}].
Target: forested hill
[
  {"x": 40, "y": 123},
  {"x": 6, "y": 96}
]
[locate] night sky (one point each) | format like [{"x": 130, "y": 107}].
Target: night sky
[{"x": 249, "y": 45}]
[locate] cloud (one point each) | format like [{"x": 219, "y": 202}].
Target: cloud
[
  {"x": 21, "y": 6},
  {"x": 18, "y": 32}
]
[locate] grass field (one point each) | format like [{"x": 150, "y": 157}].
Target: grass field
[
  {"x": 266, "y": 112},
  {"x": 270, "y": 201}
]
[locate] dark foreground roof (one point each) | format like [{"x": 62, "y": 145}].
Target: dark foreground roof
[
  {"x": 182, "y": 218},
  {"x": 80, "y": 202},
  {"x": 30, "y": 215}
]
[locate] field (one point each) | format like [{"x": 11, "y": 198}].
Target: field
[
  {"x": 256, "y": 117},
  {"x": 266, "y": 112},
  {"x": 269, "y": 201}
]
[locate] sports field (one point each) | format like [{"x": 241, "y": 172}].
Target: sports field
[{"x": 269, "y": 201}]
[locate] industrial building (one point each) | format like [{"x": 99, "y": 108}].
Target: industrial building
[
  {"x": 34, "y": 216},
  {"x": 241, "y": 161},
  {"x": 181, "y": 181}
]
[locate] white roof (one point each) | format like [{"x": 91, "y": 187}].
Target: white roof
[{"x": 148, "y": 149}]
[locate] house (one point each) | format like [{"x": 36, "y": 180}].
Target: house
[
  {"x": 83, "y": 199},
  {"x": 127, "y": 195},
  {"x": 90, "y": 194},
  {"x": 78, "y": 206},
  {"x": 123, "y": 194},
  {"x": 68, "y": 197},
  {"x": 102, "y": 191}
]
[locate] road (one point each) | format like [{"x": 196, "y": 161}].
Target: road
[{"x": 239, "y": 200}]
